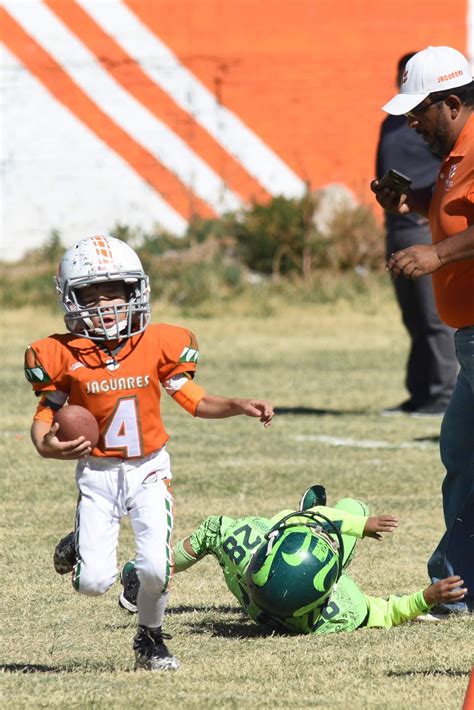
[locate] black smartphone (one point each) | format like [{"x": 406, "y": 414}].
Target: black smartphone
[{"x": 398, "y": 182}]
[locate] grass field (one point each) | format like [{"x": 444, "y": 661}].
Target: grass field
[{"x": 328, "y": 370}]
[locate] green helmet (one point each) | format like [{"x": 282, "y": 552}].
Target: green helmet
[{"x": 295, "y": 569}]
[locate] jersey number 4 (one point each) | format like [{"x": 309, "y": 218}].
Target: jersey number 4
[{"x": 123, "y": 429}]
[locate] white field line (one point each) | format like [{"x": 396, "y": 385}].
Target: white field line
[
  {"x": 151, "y": 133},
  {"x": 165, "y": 69},
  {"x": 363, "y": 443}
]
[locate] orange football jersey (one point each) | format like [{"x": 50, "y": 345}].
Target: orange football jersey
[{"x": 122, "y": 391}]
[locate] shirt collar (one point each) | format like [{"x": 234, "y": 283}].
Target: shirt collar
[{"x": 464, "y": 139}]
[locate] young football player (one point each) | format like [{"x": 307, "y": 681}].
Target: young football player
[
  {"x": 113, "y": 362},
  {"x": 289, "y": 572}
]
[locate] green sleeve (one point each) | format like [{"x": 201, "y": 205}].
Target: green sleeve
[
  {"x": 182, "y": 559},
  {"x": 347, "y": 523},
  {"x": 395, "y": 610}
]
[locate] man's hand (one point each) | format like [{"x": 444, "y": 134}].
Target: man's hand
[
  {"x": 390, "y": 200},
  {"x": 50, "y": 447},
  {"x": 445, "y": 591},
  {"x": 377, "y": 524},
  {"x": 415, "y": 261}
]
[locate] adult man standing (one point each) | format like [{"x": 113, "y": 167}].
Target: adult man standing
[
  {"x": 431, "y": 366},
  {"x": 437, "y": 97}
]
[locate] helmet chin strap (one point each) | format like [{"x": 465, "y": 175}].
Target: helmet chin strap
[{"x": 271, "y": 536}]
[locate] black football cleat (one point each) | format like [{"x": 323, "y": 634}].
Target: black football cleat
[
  {"x": 129, "y": 594},
  {"x": 151, "y": 652},
  {"x": 315, "y": 495},
  {"x": 65, "y": 556}
]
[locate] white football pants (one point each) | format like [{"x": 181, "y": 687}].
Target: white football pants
[{"x": 111, "y": 488}]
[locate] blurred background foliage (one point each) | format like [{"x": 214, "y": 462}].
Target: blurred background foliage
[{"x": 295, "y": 248}]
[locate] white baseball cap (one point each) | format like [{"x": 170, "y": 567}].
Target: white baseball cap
[{"x": 432, "y": 69}]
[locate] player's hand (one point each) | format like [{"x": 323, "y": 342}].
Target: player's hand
[
  {"x": 445, "y": 591},
  {"x": 390, "y": 200},
  {"x": 378, "y": 524},
  {"x": 51, "y": 448},
  {"x": 257, "y": 408},
  {"x": 415, "y": 261}
]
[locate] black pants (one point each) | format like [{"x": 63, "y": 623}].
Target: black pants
[{"x": 432, "y": 367}]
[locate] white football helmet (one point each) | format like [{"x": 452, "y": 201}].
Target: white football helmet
[{"x": 96, "y": 260}]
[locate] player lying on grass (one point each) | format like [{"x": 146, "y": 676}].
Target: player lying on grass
[
  {"x": 114, "y": 363},
  {"x": 289, "y": 572}
]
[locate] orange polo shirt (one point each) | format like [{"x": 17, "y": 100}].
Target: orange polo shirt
[{"x": 452, "y": 211}]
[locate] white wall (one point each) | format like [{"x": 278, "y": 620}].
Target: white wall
[{"x": 58, "y": 174}]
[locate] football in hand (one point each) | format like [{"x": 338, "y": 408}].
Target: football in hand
[{"x": 75, "y": 421}]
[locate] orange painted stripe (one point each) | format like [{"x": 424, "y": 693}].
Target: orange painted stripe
[
  {"x": 127, "y": 72},
  {"x": 70, "y": 95},
  {"x": 308, "y": 77}
]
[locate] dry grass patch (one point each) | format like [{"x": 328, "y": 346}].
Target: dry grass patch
[{"x": 329, "y": 370}]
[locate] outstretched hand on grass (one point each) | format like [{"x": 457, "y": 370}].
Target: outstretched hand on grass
[
  {"x": 378, "y": 524},
  {"x": 445, "y": 591}
]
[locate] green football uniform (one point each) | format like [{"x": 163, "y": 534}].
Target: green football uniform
[{"x": 234, "y": 541}]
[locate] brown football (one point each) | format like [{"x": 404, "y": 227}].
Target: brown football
[{"x": 75, "y": 421}]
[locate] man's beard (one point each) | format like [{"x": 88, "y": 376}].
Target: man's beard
[{"x": 441, "y": 143}]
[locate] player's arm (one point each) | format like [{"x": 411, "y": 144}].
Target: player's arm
[
  {"x": 195, "y": 400},
  {"x": 214, "y": 407},
  {"x": 395, "y": 610},
  {"x": 182, "y": 355},
  {"x": 184, "y": 555},
  {"x": 185, "y": 391},
  {"x": 43, "y": 432},
  {"x": 204, "y": 539},
  {"x": 359, "y": 525}
]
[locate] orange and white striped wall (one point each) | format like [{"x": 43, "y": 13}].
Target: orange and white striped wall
[{"x": 148, "y": 112}]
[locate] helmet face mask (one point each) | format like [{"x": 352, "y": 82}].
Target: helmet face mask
[
  {"x": 294, "y": 571},
  {"x": 103, "y": 260}
]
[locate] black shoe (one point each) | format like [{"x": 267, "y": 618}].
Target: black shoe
[
  {"x": 404, "y": 408},
  {"x": 151, "y": 653},
  {"x": 430, "y": 409},
  {"x": 129, "y": 594},
  {"x": 315, "y": 495},
  {"x": 65, "y": 558}
]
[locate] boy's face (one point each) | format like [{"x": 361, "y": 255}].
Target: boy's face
[{"x": 108, "y": 294}]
